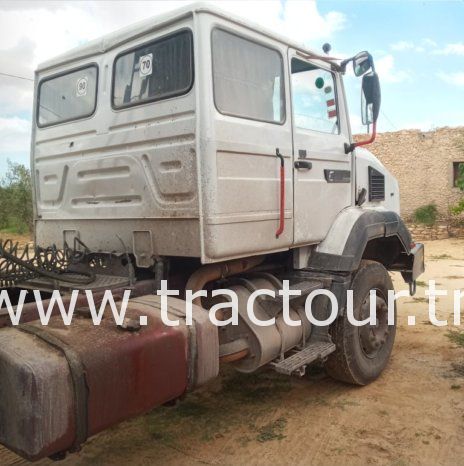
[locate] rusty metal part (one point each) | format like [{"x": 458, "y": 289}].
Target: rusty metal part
[
  {"x": 211, "y": 272},
  {"x": 234, "y": 356},
  {"x": 233, "y": 350},
  {"x": 204, "y": 357}
]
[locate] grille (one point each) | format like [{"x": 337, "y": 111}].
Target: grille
[{"x": 376, "y": 185}]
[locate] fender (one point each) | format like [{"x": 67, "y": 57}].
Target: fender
[{"x": 345, "y": 244}]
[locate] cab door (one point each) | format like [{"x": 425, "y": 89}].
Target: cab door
[{"x": 321, "y": 170}]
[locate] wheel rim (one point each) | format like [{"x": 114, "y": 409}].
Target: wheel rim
[{"x": 373, "y": 338}]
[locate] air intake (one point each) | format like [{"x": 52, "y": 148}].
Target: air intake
[{"x": 376, "y": 185}]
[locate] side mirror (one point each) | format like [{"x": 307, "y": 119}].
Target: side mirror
[
  {"x": 370, "y": 98},
  {"x": 370, "y": 108},
  {"x": 362, "y": 63}
]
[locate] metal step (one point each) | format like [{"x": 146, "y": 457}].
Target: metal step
[{"x": 311, "y": 353}]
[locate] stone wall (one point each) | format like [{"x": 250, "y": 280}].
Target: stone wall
[
  {"x": 422, "y": 163},
  {"x": 440, "y": 231}
]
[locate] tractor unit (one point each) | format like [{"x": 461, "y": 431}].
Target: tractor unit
[{"x": 200, "y": 152}]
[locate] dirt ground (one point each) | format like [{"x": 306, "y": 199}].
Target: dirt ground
[{"x": 412, "y": 415}]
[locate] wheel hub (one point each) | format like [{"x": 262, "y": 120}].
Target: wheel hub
[{"x": 373, "y": 337}]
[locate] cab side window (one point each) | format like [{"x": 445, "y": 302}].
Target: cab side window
[
  {"x": 314, "y": 98},
  {"x": 248, "y": 78}
]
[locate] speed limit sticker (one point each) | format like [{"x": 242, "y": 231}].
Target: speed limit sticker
[
  {"x": 81, "y": 87},
  {"x": 146, "y": 65}
]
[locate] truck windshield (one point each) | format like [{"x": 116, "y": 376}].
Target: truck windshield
[
  {"x": 154, "y": 71},
  {"x": 67, "y": 96}
]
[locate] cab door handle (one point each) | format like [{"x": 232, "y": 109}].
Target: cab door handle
[{"x": 303, "y": 165}]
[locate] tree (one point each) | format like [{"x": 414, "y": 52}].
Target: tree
[
  {"x": 4, "y": 213},
  {"x": 459, "y": 207},
  {"x": 16, "y": 198}
]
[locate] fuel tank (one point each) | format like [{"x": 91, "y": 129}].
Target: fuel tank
[{"x": 61, "y": 384}]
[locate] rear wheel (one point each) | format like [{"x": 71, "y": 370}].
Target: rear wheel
[{"x": 363, "y": 352}]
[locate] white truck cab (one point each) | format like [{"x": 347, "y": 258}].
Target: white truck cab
[{"x": 163, "y": 137}]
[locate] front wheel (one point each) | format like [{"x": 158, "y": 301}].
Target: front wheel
[{"x": 363, "y": 352}]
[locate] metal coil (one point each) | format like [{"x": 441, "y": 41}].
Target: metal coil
[{"x": 19, "y": 264}]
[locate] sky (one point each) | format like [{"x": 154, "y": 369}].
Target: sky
[{"x": 417, "y": 45}]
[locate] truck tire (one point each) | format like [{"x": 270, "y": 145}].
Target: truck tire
[{"x": 363, "y": 352}]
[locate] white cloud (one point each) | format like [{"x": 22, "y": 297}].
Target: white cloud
[
  {"x": 387, "y": 71},
  {"x": 403, "y": 45},
  {"x": 302, "y": 22},
  {"x": 456, "y": 79},
  {"x": 451, "y": 49},
  {"x": 15, "y": 134},
  {"x": 427, "y": 42},
  {"x": 429, "y": 45},
  {"x": 50, "y": 32},
  {"x": 16, "y": 94},
  {"x": 424, "y": 44}
]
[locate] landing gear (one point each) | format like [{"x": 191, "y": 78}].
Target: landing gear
[{"x": 363, "y": 352}]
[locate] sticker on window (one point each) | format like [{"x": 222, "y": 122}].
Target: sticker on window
[
  {"x": 331, "y": 108},
  {"x": 146, "y": 65},
  {"x": 81, "y": 87}
]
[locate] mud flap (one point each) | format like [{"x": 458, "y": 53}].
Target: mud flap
[{"x": 416, "y": 266}]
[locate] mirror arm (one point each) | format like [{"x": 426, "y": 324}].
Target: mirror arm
[
  {"x": 351, "y": 147},
  {"x": 344, "y": 64}
]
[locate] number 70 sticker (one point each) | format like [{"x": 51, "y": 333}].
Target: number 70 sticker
[{"x": 146, "y": 65}]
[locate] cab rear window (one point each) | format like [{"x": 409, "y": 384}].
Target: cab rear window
[
  {"x": 158, "y": 70},
  {"x": 68, "y": 96}
]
